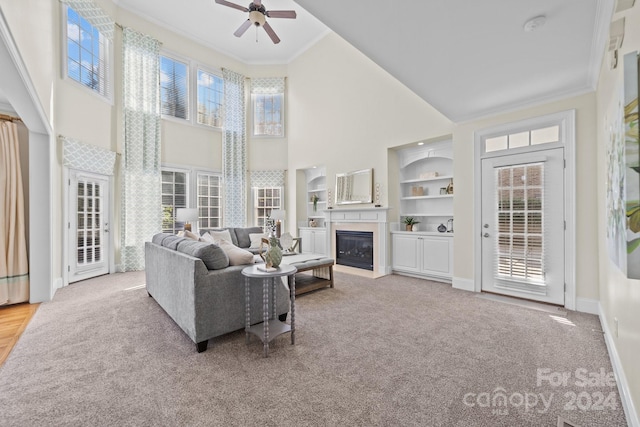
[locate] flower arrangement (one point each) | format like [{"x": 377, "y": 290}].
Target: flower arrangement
[{"x": 314, "y": 200}]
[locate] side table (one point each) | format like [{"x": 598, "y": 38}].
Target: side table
[{"x": 271, "y": 327}]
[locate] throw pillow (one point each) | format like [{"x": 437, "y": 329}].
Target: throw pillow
[
  {"x": 237, "y": 256},
  {"x": 221, "y": 235},
  {"x": 256, "y": 239},
  {"x": 212, "y": 255},
  {"x": 242, "y": 235},
  {"x": 188, "y": 234},
  {"x": 206, "y": 237}
]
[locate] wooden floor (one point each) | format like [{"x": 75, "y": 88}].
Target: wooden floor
[{"x": 13, "y": 320}]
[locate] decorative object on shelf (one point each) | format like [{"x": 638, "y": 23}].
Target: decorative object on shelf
[
  {"x": 187, "y": 215},
  {"x": 442, "y": 228},
  {"x": 450, "y": 225},
  {"x": 450, "y": 188},
  {"x": 376, "y": 196},
  {"x": 329, "y": 200},
  {"x": 278, "y": 215},
  {"x": 409, "y": 221},
  {"x": 443, "y": 191},
  {"x": 314, "y": 200},
  {"x": 272, "y": 256},
  {"x": 428, "y": 175},
  {"x": 313, "y": 223},
  {"x": 417, "y": 191}
]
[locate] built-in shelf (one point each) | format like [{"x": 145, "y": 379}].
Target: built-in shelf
[
  {"x": 319, "y": 189},
  {"x": 437, "y": 178},
  {"x": 428, "y": 214},
  {"x": 443, "y": 196}
]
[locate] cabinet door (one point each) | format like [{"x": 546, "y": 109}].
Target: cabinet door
[
  {"x": 307, "y": 241},
  {"x": 436, "y": 257},
  {"x": 404, "y": 252},
  {"x": 319, "y": 241}
]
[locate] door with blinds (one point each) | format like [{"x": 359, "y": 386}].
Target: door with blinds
[
  {"x": 88, "y": 225},
  {"x": 523, "y": 225}
]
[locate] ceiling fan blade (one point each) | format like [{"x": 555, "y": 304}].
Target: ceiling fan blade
[
  {"x": 291, "y": 14},
  {"x": 243, "y": 28},
  {"x": 233, "y": 5},
  {"x": 272, "y": 34}
]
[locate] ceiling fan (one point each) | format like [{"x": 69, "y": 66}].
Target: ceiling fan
[{"x": 257, "y": 17}]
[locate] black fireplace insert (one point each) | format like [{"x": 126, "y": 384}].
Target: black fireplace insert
[{"x": 354, "y": 249}]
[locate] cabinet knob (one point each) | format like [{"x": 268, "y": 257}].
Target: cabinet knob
[{"x": 485, "y": 235}]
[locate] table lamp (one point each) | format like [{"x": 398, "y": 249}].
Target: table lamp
[
  {"x": 187, "y": 215},
  {"x": 278, "y": 215}
]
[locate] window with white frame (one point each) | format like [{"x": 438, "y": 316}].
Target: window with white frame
[
  {"x": 267, "y": 98},
  {"x": 88, "y": 48},
  {"x": 174, "y": 195},
  {"x": 265, "y": 200},
  {"x": 210, "y": 97},
  {"x": 526, "y": 138},
  {"x": 174, "y": 88},
  {"x": 209, "y": 200}
]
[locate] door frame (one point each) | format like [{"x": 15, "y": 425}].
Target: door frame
[
  {"x": 566, "y": 121},
  {"x": 66, "y": 175}
]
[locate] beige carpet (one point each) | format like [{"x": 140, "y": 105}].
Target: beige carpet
[{"x": 391, "y": 351}]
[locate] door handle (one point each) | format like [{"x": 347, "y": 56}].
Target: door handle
[
  {"x": 106, "y": 227},
  {"x": 486, "y": 226},
  {"x": 485, "y": 235}
]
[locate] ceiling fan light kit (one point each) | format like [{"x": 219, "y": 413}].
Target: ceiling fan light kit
[{"x": 258, "y": 17}]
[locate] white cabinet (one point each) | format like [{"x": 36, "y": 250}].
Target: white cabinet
[
  {"x": 314, "y": 240},
  {"x": 425, "y": 254},
  {"x": 426, "y": 184}
]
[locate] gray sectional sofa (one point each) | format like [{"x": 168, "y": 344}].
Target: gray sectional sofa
[{"x": 206, "y": 299}]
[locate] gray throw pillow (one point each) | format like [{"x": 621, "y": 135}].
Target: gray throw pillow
[
  {"x": 213, "y": 256},
  {"x": 171, "y": 241},
  {"x": 244, "y": 241}
]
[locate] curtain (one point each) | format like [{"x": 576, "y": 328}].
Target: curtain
[
  {"x": 141, "y": 213},
  {"x": 94, "y": 14},
  {"x": 78, "y": 155},
  {"x": 267, "y": 178},
  {"x": 234, "y": 151},
  {"x": 14, "y": 265}
]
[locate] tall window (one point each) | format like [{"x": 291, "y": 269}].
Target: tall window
[
  {"x": 210, "y": 98},
  {"x": 267, "y": 96},
  {"x": 209, "y": 200},
  {"x": 174, "y": 88},
  {"x": 265, "y": 200},
  {"x": 87, "y": 54},
  {"x": 174, "y": 195},
  {"x": 267, "y": 115}
]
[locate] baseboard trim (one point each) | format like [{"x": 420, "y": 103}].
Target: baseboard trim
[
  {"x": 621, "y": 379},
  {"x": 588, "y": 305},
  {"x": 463, "y": 284}
]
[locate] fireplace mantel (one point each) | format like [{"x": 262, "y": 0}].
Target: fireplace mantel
[{"x": 362, "y": 219}]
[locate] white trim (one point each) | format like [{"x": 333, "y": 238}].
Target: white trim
[
  {"x": 621, "y": 378},
  {"x": 587, "y": 305},
  {"x": 604, "y": 14},
  {"x": 566, "y": 120},
  {"x": 463, "y": 284}
]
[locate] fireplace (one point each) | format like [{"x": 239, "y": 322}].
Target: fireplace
[{"x": 354, "y": 249}]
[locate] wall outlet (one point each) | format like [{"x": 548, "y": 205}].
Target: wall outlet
[{"x": 615, "y": 327}]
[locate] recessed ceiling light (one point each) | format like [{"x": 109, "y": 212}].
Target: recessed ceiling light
[
  {"x": 420, "y": 143},
  {"x": 534, "y": 24}
]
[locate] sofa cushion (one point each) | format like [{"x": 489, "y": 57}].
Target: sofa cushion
[
  {"x": 237, "y": 256},
  {"x": 256, "y": 239},
  {"x": 158, "y": 238},
  {"x": 242, "y": 234},
  {"x": 213, "y": 256},
  {"x": 171, "y": 241}
]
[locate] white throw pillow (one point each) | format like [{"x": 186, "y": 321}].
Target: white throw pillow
[
  {"x": 206, "y": 237},
  {"x": 221, "y": 235},
  {"x": 237, "y": 256},
  {"x": 188, "y": 234},
  {"x": 256, "y": 239}
]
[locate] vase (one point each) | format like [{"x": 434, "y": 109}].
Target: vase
[
  {"x": 408, "y": 227},
  {"x": 273, "y": 255}
]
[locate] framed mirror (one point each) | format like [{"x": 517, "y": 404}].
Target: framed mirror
[{"x": 354, "y": 187}]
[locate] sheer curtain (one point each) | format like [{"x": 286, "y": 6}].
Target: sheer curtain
[
  {"x": 141, "y": 177},
  {"x": 14, "y": 265},
  {"x": 234, "y": 151}
]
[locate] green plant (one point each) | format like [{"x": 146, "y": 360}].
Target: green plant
[
  {"x": 409, "y": 220},
  {"x": 315, "y": 199}
]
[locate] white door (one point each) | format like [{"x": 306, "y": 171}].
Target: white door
[
  {"x": 88, "y": 225},
  {"x": 523, "y": 225}
]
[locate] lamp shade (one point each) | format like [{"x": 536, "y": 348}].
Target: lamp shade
[
  {"x": 186, "y": 214},
  {"x": 278, "y": 214}
]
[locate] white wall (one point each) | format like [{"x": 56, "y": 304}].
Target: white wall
[
  {"x": 619, "y": 296},
  {"x": 345, "y": 112}
]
